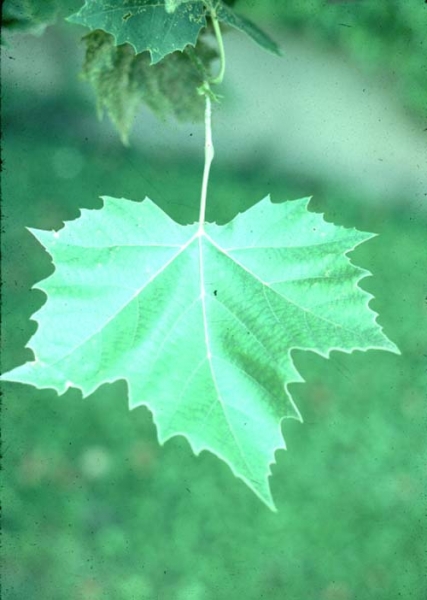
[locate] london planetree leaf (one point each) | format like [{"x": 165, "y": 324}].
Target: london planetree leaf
[
  {"x": 200, "y": 322},
  {"x": 145, "y": 24},
  {"x": 162, "y": 26}
]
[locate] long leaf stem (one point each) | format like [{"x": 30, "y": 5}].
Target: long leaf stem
[
  {"x": 206, "y": 90},
  {"x": 209, "y": 155}
]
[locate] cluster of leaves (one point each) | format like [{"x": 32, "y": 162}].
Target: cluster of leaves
[
  {"x": 125, "y": 39},
  {"x": 123, "y": 80},
  {"x": 165, "y": 34}
]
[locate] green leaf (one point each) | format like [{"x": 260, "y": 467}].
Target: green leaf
[
  {"x": 145, "y": 24},
  {"x": 123, "y": 81},
  {"x": 201, "y": 324},
  {"x": 229, "y": 17}
]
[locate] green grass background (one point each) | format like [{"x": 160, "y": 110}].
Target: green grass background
[{"x": 95, "y": 509}]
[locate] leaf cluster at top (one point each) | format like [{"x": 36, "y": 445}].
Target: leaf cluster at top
[
  {"x": 123, "y": 80},
  {"x": 125, "y": 38},
  {"x": 154, "y": 52}
]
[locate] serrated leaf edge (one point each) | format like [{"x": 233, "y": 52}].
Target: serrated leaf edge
[{"x": 75, "y": 21}]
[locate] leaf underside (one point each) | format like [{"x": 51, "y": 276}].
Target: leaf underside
[{"x": 200, "y": 325}]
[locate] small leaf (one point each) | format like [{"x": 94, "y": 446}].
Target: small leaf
[
  {"x": 229, "y": 17},
  {"x": 201, "y": 325},
  {"x": 145, "y": 24}
]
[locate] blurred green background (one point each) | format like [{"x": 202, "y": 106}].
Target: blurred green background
[{"x": 94, "y": 508}]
